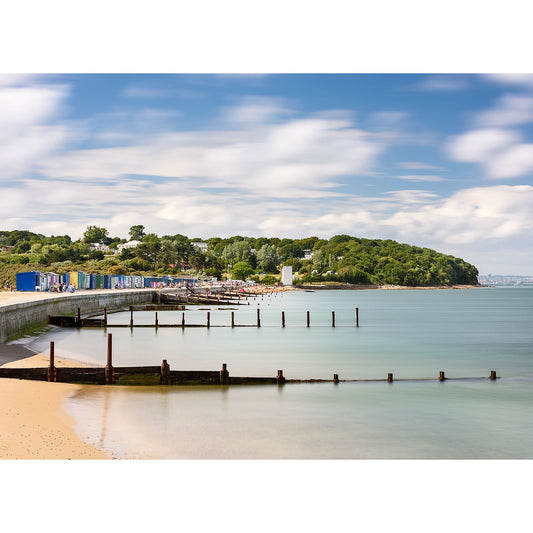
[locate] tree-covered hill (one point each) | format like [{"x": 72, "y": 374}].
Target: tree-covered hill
[{"x": 342, "y": 258}]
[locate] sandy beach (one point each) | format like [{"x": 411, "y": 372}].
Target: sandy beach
[{"x": 33, "y": 421}]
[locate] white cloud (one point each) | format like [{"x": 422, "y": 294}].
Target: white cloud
[
  {"x": 308, "y": 153},
  {"x": 510, "y": 111},
  {"x": 442, "y": 82},
  {"x": 478, "y": 145},
  {"x": 470, "y": 215},
  {"x": 417, "y": 165},
  {"x": 525, "y": 80},
  {"x": 420, "y": 177},
  {"x": 26, "y": 132},
  {"x": 514, "y": 162},
  {"x": 256, "y": 110}
]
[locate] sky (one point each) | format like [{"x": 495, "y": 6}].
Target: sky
[{"x": 443, "y": 161}]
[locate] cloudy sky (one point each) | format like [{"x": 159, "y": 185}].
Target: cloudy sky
[{"x": 443, "y": 161}]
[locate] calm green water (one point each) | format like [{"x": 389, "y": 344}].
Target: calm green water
[{"x": 414, "y": 334}]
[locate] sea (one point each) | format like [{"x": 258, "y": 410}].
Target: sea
[{"x": 413, "y": 334}]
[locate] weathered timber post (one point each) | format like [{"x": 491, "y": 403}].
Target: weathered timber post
[
  {"x": 109, "y": 370},
  {"x": 283, "y": 319},
  {"x": 156, "y": 321},
  {"x": 441, "y": 376},
  {"x": 79, "y": 318},
  {"x": 131, "y": 316},
  {"x": 335, "y": 378},
  {"x": 258, "y": 318},
  {"x": 208, "y": 319},
  {"x": 357, "y": 317},
  {"x": 182, "y": 320},
  {"x": 105, "y": 316},
  {"x": 280, "y": 379},
  {"x": 52, "y": 372},
  {"x": 493, "y": 374},
  {"x": 233, "y": 319},
  {"x": 224, "y": 375},
  {"x": 389, "y": 377},
  {"x": 332, "y": 319},
  {"x": 308, "y": 319},
  {"x": 165, "y": 373}
]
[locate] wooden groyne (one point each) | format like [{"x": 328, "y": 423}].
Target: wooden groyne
[
  {"x": 81, "y": 321},
  {"x": 163, "y": 375}
]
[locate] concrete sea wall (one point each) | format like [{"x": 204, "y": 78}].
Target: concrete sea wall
[{"x": 20, "y": 318}]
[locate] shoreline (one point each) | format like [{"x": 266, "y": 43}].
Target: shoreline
[
  {"x": 34, "y": 420},
  {"x": 32, "y": 413}
]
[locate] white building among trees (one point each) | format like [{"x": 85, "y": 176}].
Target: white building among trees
[{"x": 286, "y": 275}]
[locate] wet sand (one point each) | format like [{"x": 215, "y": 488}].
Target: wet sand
[{"x": 34, "y": 422}]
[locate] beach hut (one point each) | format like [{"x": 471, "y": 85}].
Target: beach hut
[
  {"x": 92, "y": 281},
  {"x": 99, "y": 281},
  {"x": 52, "y": 279},
  {"x": 74, "y": 279},
  {"x": 117, "y": 282},
  {"x": 107, "y": 281},
  {"x": 29, "y": 281}
]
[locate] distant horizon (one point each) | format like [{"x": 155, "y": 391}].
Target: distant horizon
[{"x": 443, "y": 161}]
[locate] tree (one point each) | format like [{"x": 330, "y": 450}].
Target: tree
[
  {"x": 268, "y": 258},
  {"x": 241, "y": 270},
  {"x": 137, "y": 232},
  {"x": 236, "y": 252},
  {"x": 95, "y": 234},
  {"x": 150, "y": 249}
]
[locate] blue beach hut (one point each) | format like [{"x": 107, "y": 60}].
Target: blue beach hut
[{"x": 29, "y": 281}]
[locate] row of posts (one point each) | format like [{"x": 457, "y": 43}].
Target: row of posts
[
  {"x": 232, "y": 318},
  {"x": 165, "y": 369}
]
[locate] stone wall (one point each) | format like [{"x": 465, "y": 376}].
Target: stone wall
[{"x": 18, "y": 319}]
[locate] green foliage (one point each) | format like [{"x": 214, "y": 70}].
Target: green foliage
[
  {"x": 137, "y": 232},
  {"x": 95, "y": 234},
  {"x": 269, "y": 280},
  {"x": 347, "y": 259},
  {"x": 237, "y": 252},
  {"x": 241, "y": 270},
  {"x": 268, "y": 258},
  {"x": 117, "y": 270}
]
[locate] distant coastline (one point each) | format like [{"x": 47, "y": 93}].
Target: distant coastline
[{"x": 342, "y": 286}]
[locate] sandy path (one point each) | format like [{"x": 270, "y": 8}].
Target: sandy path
[{"x": 33, "y": 422}]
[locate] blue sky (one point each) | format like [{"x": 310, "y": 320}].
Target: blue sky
[{"x": 443, "y": 161}]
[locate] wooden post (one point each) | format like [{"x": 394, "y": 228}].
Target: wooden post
[
  {"x": 389, "y": 377},
  {"x": 332, "y": 319},
  {"x": 109, "y": 370},
  {"x": 233, "y": 319},
  {"x": 131, "y": 316},
  {"x": 224, "y": 375},
  {"x": 208, "y": 319},
  {"x": 105, "y": 316},
  {"x": 156, "y": 321},
  {"x": 493, "y": 374},
  {"x": 165, "y": 373},
  {"x": 441, "y": 376},
  {"x": 308, "y": 319},
  {"x": 182, "y": 320},
  {"x": 283, "y": 319},
  {"x": 280, "y": 379},
  {"x": 52, "y": 373},
  {"x": 335, "y": 378},
  {"x": 357, "y": 317},
  {"x": 79, "y": 318},
  {"x": 258, "y": 318}
]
